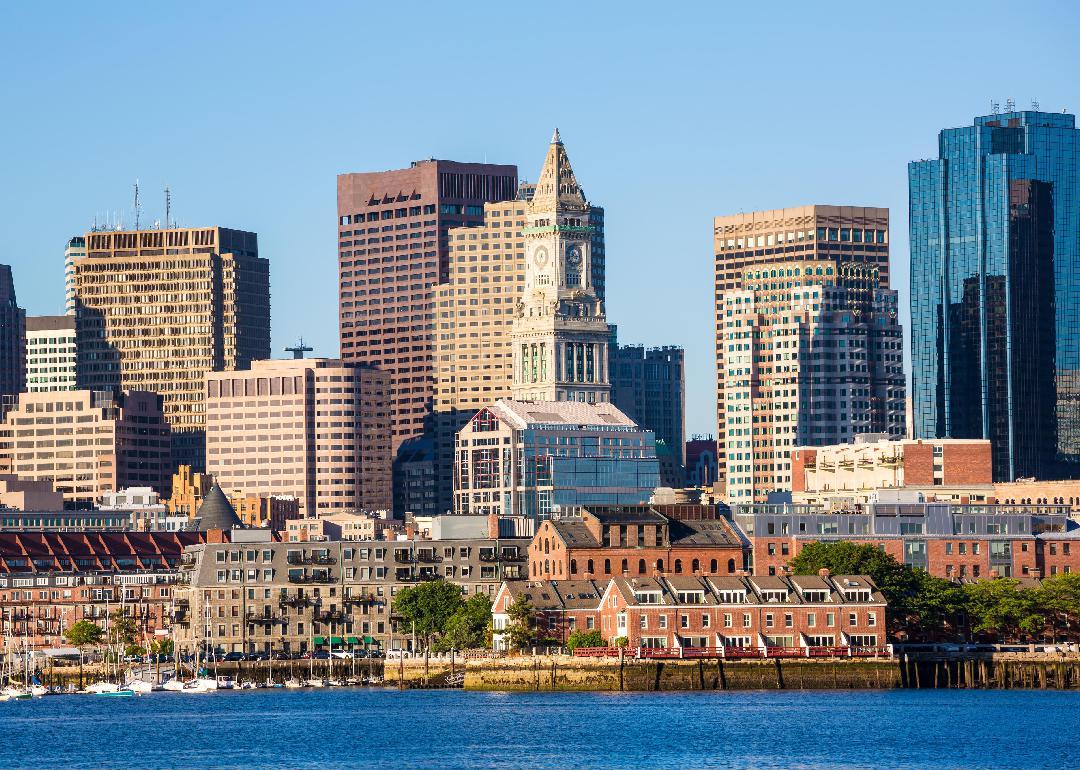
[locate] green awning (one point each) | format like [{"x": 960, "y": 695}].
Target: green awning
[
  {"x": 352, "y": 640},
  {"x": 369, "y": 640},
  {"x": 336, "y": 640},
  {"x": 320, "y": 640}
]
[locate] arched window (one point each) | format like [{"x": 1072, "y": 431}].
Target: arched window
[
  {"x": 659, "y": 565},
  {"x": 678, "y": 566},
  {"x": 590, "y": 570},
  {"x": 607, "y": 566},
  {"x": 547, "y": 567},
  {"x": 712, "y": 567},
  {"x": 573, "y": 566},
  {"x": 625, "y": 565},
  {"x": 547, "y": 545},
  {"x": 695, "y": 566},
  {"x": 731, "y": 566},
  {"x": 641, "y": 567},
  {"x": 534, "y": 569}
]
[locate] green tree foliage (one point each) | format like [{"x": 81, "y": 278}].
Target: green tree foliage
[
  {"x": 521, "y": 629},
  {"x": 122, "y": 633},
  {"x": 468, "y": 627},
  {"x": 427, "y": 608},
  {"x": 82, "y": 634},
  {"x": 584, "y": 639}
]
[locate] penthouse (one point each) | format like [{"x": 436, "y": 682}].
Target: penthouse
[
  {"x": 802, "y": 615},
  {"x": 50, "y": 580},
  {"x": 947, "y": 540},
  {"x": 636, "y": 540}
]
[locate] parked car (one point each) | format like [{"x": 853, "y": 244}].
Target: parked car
[{"x": 234, "y": 657}]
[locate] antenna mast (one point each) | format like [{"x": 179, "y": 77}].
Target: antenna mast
[
  {"x": 299, "y": 349},
  {"x": 136, "y": 204},
  {"x": 168, "y": 207}
]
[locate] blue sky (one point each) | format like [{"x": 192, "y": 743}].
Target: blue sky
[{"x": 672, "y": 113}]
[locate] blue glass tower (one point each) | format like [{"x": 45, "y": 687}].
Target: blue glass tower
[{"x": 995, "y": 291}]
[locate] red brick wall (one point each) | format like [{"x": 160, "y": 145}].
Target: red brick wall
[
  {"x": 728, "y": 560},
  {"x": 918, "y": 464},
  {"x": 799, "y": 460},
  {"x": 967, "y": 463}
]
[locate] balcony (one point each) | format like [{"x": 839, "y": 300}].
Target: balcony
[
  {"x": 361, "y": 599},
  {"x": 323, "y": 560},
  {"x": 294, "y": 601},
  {"x": 298, "y": 559},
  {"x": 427, "y": 557},
  {"x": 258, "y": 617},
  {"x": 403, "y": 557},
  {"x": 330, "y": 616},
  {"x": 488, "y": 554}
]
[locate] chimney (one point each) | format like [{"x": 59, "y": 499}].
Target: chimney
[
  {"x": 410, "y": 532},
  {"x": 823, "y": 572},
  {"x": 493, "y": 526}
]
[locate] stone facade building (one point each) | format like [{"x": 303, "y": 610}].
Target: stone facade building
[
  {"x": 314, "y": 429},
  {"x": 87, "y": 442},
  {"x": 157, "y": 309}
]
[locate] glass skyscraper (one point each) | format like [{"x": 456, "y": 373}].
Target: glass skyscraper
[{"x": 995, "y": 291}]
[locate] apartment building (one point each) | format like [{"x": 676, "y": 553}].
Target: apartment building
[
  {"x": 156, "y": 310},
  {"x": 50, "y": 353}
]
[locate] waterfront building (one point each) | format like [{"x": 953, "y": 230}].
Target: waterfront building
[
  {"x": 808, "y": 344},
  {"x": 157, "y": 309},
  {"x": 560, "y": 334},
  {"x": 51, "y": 580},
  {"x": 951, "y": 541},
  {"x": 532, "y": 459},
  {"x": 303, "y": 596},
  {"x": 345, "y": 525},
  {"x": 50, "y": 353},
  {"x": 599, "y": 542},
  {"x": 314, "y": 429},
  {"x": 813, "y": 614},
  {"x": 87, "y": 442},
  {"x": 393, "y": 249},
  {"x": 995, "y": 246},
  {"x": 649, "y": 386},
  {"x": 75, "y": 249},
  {"x": 856, "y": 472},
  {"x": 12, "y": 338}
]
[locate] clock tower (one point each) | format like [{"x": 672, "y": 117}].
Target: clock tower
[{"x": 560, "y": 335}]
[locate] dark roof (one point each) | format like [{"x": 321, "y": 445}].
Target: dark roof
[
  {"x": 43, "y": 323},
  {"x": 92, "y": 551},
  {"x": 216, "y": 512},
  {"x": 625, "y": 514},
  {"x": 703, "y": 532}
]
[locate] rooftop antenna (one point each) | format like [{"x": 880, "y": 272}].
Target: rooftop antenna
[
  {"x": 299, "y": 349},
  {"x": 995, "y": 107},
  {"x": 1035, "y": 105},
  {"x": 136, "y": 204},
  {"x": 168, "y": 206},
  {"x": 1010, "y": 105}
]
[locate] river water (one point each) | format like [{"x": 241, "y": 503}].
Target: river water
[{"x": 452, "y": 728}]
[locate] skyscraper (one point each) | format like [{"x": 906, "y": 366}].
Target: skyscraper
[
  {"x": 560, "y": 334},
  {"x": 50, "y": 353},
  {"x": 808, "y": 344},
  {"x": 12, "y": 337},
  {"x": 75, "y": 249},
  {"x": 157, "y": 309},
  {"x": 995, "y": 297},
  {"x": 393, "y": 229}
]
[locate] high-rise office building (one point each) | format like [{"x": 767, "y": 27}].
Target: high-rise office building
[
  {"x": 75, "y": 249},
  {"x": 393, "y": 237},
  {"x": 87, "y": 442},
  {"x": 314, "y": 428},
  {"x": 50, "y": 353},
  {"x": 560, "y": 334},
  {"x": 995, "y": 297},
  {"x": 854, "y": 239},
  {"x": 157, "y": 309},
  {"x": 12, "y": 337},
  {"x": 808, "y": 343},
  {"x": 648, "y": 385}
]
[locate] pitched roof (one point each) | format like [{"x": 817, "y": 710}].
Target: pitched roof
[
  {"x": 216, "y": 512},
  {"x": 557, "y": 186},
  {"x": 522, "y": 414}
]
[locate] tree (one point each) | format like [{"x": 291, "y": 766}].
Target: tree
[
  {"x": 1059, "y": 598},
  {"x": 521, "y": 630},
  {"x": 122, "y": 633},
  {"x": 468, "y": 627},
  {"x": 584, "y": 639},
  {"x": 83, "y": 633},
  {"x": 1001, "y": 608},
  {"x": 425, "y": 609}
]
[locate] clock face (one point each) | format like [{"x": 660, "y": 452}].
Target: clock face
[
  {"x": 540, "y": 258},
  {"x": 573, "y": 256}
]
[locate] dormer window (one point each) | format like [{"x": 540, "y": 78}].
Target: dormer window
[
  {"x": 732, "y": 597},
  {"x": 647, "y": 597},
  {"x": 774, "y": 596},
  {"x": 816, "y": 596},
  {"x": 691, "y": 597}
]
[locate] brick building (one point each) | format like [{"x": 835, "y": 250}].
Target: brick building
[
  {"x": 810, "y": 614},
  {"x": 645, "y": 540},
  {"x": 950, "y": 541}
]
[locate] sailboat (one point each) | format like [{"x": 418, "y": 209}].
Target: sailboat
[{"x": 13, "y": 691}]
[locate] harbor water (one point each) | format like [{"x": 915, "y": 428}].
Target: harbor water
[{"x": 356, "y": 727}]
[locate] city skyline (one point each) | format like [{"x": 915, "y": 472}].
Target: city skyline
[{"x": 672, "y": 133}]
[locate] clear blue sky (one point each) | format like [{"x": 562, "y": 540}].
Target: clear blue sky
[{"x": 671, "y": 112}]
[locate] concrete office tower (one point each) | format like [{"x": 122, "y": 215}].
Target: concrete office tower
[
  {"x": 995, "y": 291},
  {"x": 12, "y": 337},
  {"x": 316, "y": 429},
  {"x": 158, "y": 309},
  {"x": 854, "y": 239},
  {"x": 529, "y": 459},
  {"x": 88, "y": 442},
  {"x": 75, "y": 249},
  {"x": 649, "y": 386},
  {"x": 393, "y": 233},
  {"x": 50, "y": 353},
  {"x": 560, "y": 334}
]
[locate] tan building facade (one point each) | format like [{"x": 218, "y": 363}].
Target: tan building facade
[
  {"x": 314, "y": 429},
  {"x": 87, "y": 442},
  {"x": 854, "y": 239},
  {"x": 157, "y": 309}
]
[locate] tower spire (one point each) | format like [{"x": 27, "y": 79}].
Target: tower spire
[{"x": 557, "y": 186}]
